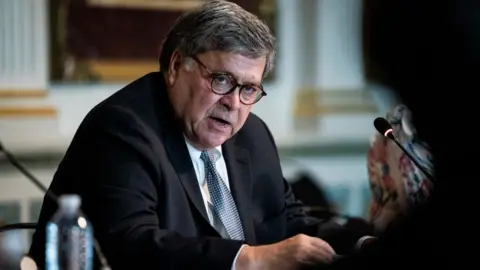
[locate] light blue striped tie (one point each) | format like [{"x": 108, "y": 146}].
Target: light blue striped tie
[{"x": 222, "y": 199}]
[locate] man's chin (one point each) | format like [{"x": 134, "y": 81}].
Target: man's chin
[{"x": 214, "y": 139}]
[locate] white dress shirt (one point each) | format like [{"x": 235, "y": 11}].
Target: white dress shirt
[{"x": 199, "y": 167}]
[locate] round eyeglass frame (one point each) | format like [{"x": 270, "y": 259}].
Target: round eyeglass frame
[{"x": 235, "y": 83}]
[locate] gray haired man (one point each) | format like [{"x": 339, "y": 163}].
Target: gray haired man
[{"x": 174, "y": 170}]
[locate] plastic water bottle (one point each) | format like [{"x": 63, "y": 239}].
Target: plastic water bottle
[{"x": 69, "y": 244}]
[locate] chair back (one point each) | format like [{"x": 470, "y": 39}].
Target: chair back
[{"x": 15, "y": 240}]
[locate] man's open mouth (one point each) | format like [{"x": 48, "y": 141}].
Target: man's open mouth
[{"x": 220, "y": 120}]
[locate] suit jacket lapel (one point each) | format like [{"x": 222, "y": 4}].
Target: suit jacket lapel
[
  {"x": 238, "y": 167},
  {"x": 177, "y": 150},
  {"x": 180, "y": 158}
]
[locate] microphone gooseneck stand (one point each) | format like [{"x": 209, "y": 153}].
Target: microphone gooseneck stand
[{"x": 383, "y": 127}]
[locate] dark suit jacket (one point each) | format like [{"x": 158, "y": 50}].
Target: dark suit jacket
[{"x": 129, "y": 163}]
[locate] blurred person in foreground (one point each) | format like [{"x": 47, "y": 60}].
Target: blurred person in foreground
[
  {"x": 174, "y": 170},
  {"x": 430, "y": 51},
  {"x": 397, "y": 183}
]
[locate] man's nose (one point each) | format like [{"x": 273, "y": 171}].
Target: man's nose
[{"x": 231, "y": 100}]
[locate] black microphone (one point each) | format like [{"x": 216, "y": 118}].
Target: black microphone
[
  {"x": 12, "y": 160},
  {"x": 384, "y": 128}
]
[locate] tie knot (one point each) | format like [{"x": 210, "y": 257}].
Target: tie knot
[{"x": 206, "y": 156}]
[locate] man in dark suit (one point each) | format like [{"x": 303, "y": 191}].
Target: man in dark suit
[{"x": 176, "y": 173}]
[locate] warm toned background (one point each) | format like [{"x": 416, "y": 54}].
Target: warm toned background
[{"x": 118, "y": 40}]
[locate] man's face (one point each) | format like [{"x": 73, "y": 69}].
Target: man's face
[{"x": 210, "y": 119}]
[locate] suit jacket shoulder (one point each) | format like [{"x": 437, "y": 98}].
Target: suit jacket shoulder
[
  {"x": 118, "y": 163},
  {"x": 135, "y": 115}
]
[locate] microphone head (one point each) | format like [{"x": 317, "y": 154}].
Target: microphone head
[{"x": 384, "y": 127}]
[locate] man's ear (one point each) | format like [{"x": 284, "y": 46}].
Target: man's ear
[{"x": 174, "y": 67}]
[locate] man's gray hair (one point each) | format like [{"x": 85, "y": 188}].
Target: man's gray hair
[{"x": 219, "y": 26}]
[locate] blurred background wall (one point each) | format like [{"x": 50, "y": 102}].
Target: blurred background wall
[{"x": 59, "y": 58}]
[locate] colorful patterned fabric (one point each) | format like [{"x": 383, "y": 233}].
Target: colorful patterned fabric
[{"x": 396, "y": 183}]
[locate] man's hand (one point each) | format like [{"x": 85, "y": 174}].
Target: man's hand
[{"x": 292, "y": 253}]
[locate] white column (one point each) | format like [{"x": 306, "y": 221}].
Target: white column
[
  {"x": 305, "y": 43},
  {"x": 338, "y": 36},
  {"x": 305, "y": 67},
  {"x": 23, "y": 44},
  {"x": 332, "y": 103},
  {"x": 276, "y": 108},
  {"x": 24, "y": 65}
]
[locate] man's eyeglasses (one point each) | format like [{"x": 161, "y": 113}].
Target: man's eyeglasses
[{"x": 224, "y": 84}]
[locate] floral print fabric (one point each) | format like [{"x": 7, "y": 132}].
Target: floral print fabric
[{"x": 396, "y": 183}]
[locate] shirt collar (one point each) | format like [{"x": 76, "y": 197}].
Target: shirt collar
[{"x": 195, "y": 153}]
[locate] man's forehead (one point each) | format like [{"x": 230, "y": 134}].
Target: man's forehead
[{"x": 242, "y": 68}]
